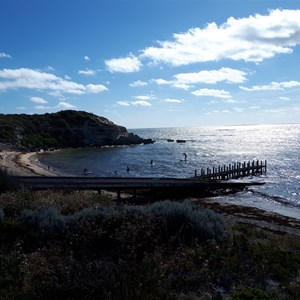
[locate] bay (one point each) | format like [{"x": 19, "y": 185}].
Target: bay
[{"x": 204, "y": 147}]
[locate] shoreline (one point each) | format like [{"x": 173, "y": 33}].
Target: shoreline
[
  {"x": 25, "y": 164},
  {"x": 22, "y": 164}
]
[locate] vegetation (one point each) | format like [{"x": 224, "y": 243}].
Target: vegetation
[
  {"x": 79, "y": 245},
  {"x": 61, "y": 129},
  {"x": 6, "y": 182}
]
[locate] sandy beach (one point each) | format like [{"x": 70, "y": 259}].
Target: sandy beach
[{"x": 22, "y": 164}]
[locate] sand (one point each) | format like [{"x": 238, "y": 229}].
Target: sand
[{"x": 22, "y": 164}]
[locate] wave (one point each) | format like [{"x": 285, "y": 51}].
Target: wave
[{"x": 275, "y": 198}]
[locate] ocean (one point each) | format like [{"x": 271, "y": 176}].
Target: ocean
[{"x": 204, "y": 147}]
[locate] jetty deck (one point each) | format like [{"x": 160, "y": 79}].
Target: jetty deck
[
  {"x": 128, "y": 183},
  {"x": 211, "y": 180}
]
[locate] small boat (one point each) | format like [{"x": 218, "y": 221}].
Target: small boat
[
  {"x": 170, "y": 140},
  {"x": 181, "y": 141}
]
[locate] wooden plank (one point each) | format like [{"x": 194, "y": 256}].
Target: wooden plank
[{"x": 99, "y": 183}]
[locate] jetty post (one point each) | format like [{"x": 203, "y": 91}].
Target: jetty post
[{"x": 235, "y": 170}]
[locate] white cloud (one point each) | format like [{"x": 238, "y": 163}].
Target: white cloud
[
  {"x": 212, "y": 93},
  {"x": 95, "y": 88},
  {"x": 38, "y": 100},
  {"x": 273, "y": 86},
  {"x": 134, "y": 103},
  {"x": 4, "y": 55},
  {"x": 87, "y": 72},
  {"x": 21, "y": 108},
  {"x": 170, "y": 100},
  {"x": 251, "y": 39},
  {"x": 42, "y": 107},
  {"x": 138, "y": 83},
  {"x": 141, "y": 103},
  {"x": 124, "y": 65},
  {"x": 161, "y": 81},
  {"x": 238, "y": 109},
  {"x": 49, "y": 68},
  {"x": 188, "y": 80},
  {"x": 143, "y": 97},
  {"x": 213, "y": 76},
  {"x": 87, "y": 58},
  {"x": 284, "y": 98},
  {"x": 182, "y": 86},
  {"x": 65, "y": 105},
  {"x": 277, "y": 111},
  {"x": 36, "y": 80},
  {"x": 123, "y": 103}
]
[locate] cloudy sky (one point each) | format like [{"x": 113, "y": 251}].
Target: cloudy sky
[{"x": 153, "y": 63}]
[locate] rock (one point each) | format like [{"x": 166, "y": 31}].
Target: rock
[{"x": 63, "y": 129}]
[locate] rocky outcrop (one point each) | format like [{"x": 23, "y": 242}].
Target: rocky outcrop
[{"x": 63, "y": 129}]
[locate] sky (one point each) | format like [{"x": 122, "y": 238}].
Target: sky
[{"x": 153, "y": 63}]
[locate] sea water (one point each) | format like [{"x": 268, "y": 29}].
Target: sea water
[{"x": 204, "y": 147}]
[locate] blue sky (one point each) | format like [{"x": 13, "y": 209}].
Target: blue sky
[{"x": 153, "y": 63}]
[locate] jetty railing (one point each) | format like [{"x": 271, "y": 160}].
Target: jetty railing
[{"x": 234, "y": 171}]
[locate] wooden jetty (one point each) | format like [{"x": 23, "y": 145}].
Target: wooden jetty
[
  {"x": 234, "y": 171},
  {"x": 210, "y": 180},
  {"x": 129, "y": 183}
]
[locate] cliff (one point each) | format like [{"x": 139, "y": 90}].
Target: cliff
[{"x": 63, "y": 129}]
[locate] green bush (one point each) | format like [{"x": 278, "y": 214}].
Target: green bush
[
  {"x": 191, "y": 220},
  {"x": 251, "y": 294},
  {"x": 10, "y": 274},
  {"x": 7, "y": 134},
  {"x": 60, "y": 249},
  {"x": 183, "y": 221},
  {"x": 48, "y": 221}
]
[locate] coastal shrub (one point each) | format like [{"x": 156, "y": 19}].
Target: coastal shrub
[
  {"x": 11, "y": 274},
  {"x": 48, "y": 221},
  {"x": 67, "y": 202},
  {"x": 7, "y": 134},
  {"x": 6, "y": 181},
  {"x": 251, "y": 294},
  {"x": 1, "y": 214},
  {"x": 182, "y": 221},
  {"x": 156, "y": 251},
  {"x": 193, "y": 220},
  {"x": 38, "y": 140},
  {"x": 14, "y": 202}
]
